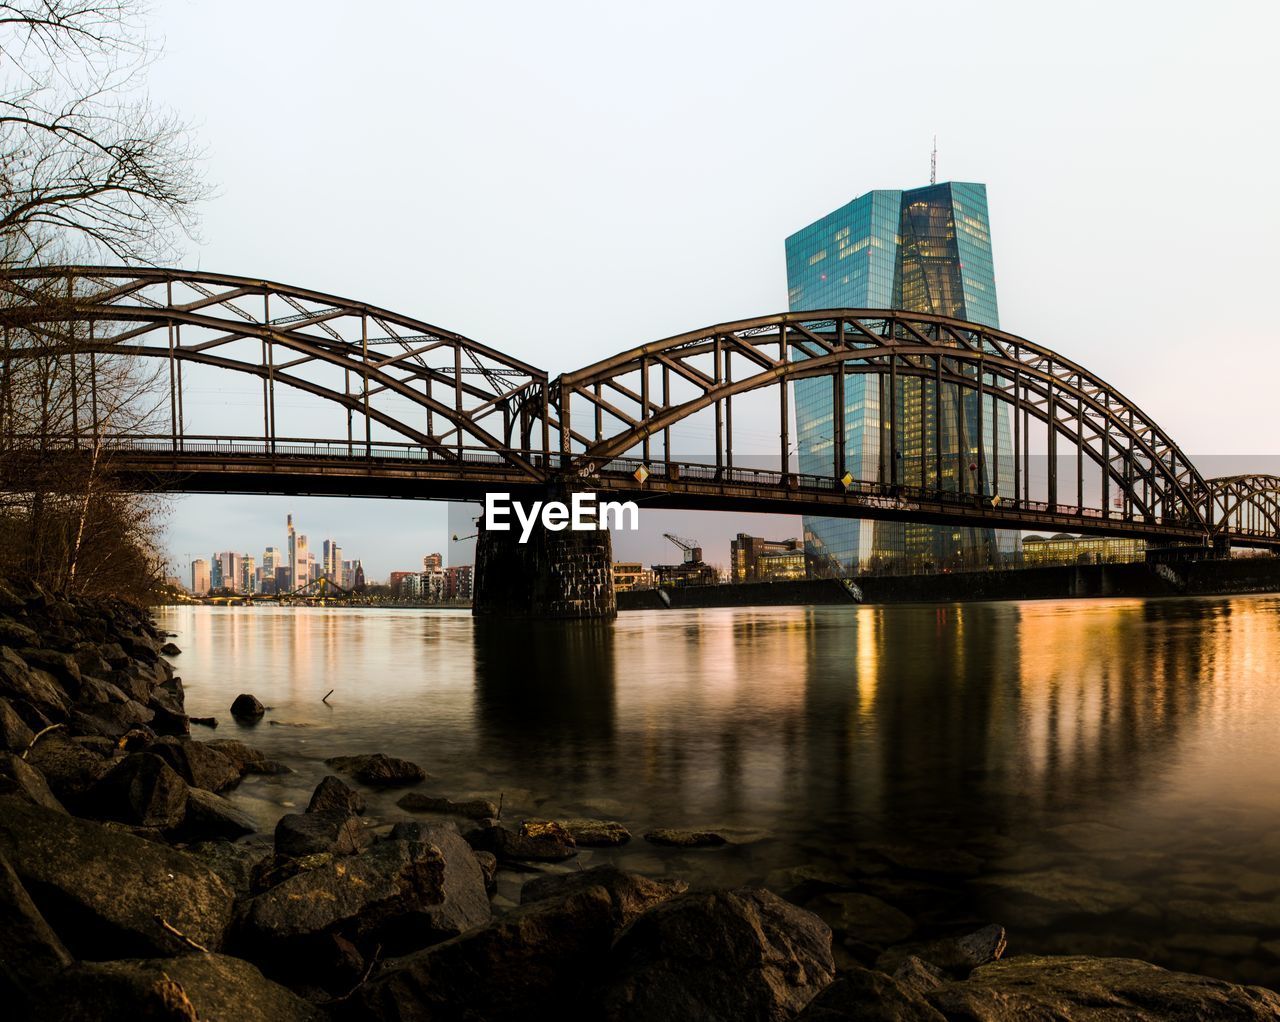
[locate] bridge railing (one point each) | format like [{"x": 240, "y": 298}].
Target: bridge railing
[{"x": 872, "y": 492}]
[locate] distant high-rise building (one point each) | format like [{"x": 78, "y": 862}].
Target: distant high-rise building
[
  {"x": 432, "y": 562},
  {"x": 200, "y": 576},
  {"x": 292, "y": 545},
  {"x": 923, "y": 250},
  {"x": 248, "y": 575},
  {"x": 215, "y": 573},
  {"x": 282, "y": 579},
  {"x": 270, "y": 561},
  {"x": 457, "y": 582},
  {"x": 228, "y": 571},
  {"x": 331, "y": 561},
  {"x": 300, "y": 562}
]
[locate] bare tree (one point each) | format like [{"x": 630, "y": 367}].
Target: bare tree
[
  {"x": 87, "y": 163},
  {"x": 90, "y": 170}
]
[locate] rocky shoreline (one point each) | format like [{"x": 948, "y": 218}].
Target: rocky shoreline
[{"x": 132, "y": 888}]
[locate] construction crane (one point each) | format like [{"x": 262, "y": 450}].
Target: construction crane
[{"x": 691, "y": 548}]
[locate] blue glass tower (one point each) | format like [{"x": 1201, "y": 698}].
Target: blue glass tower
[{"x": 923, "y": 250}]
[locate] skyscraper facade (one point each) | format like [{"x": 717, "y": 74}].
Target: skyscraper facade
[
  {"x": 199, "y": 576},
  {"x": 923, "y": 250}
]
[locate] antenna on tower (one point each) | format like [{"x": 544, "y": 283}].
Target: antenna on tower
[{"x": 933, "y": 162}]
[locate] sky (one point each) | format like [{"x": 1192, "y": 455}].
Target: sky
[{"x": 567, "y": 180}]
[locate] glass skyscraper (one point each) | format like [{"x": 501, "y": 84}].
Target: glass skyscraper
[{"x": 923, "y": 250}]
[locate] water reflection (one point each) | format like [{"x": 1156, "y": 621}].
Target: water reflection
[{"x": 1116, "y": 740}]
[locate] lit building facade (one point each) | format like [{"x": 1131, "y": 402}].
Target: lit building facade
[
  {"x": 923, "y": 250},
  {"x": 755, "y": 559},
  {"x": 628, "y": 575},
  {"x": 1041, "y": 551},
  {"x": 199, "y": 576}
]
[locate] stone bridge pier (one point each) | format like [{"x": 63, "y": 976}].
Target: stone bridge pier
[{"x": 561, "y": 575}]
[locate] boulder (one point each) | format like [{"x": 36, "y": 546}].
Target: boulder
[
  {"x": 861, "y": 995},
  {"x": 957, "y": 956},
  {"x": 300, "y": 834},
  {"x": 143, "y": 790},
  {"x": 247, "y": 759},
  {"x": 508, "y": 845},
  {"x": 30, "y": 952},
  {"x": 234, "y": 862},
  {"x": 685, "y": 838},
  {"x": 489, "y": 867},
  {"x": 472, "y": 809},
  {"x": 596, "y": 833},
  {"x": 247, "y": 707},
  {"x": 378, "y": 770},
  {"x": 630, "y": 893},
  {"x": 196, "y": 763},
  {"x": 62, "y": 666},
  {"x": 106, "y": 892},
  {"x": 1086, "y": 989},
  {"x": 549, "y": 945},
  {"x": 20, "y": 681},
  {"x": 12, "y": 633},
  {"x": 464, "y": 897},
  {"x": 274, "y": 869},
  {"x": 111, "y": 720},
  {"x": 208, "y": 988},
  {"x": 69, "y": 768},
  {"x": 18, "y": 777},
  {"x": 392, "y": 896},
  {"x": 212, "y": 816},
  {"x": 170, "y": 649},
  {"x": 332, "y": 796},
  {"x": 733, "y": 955},
  {"x": 15, "y": 736}
]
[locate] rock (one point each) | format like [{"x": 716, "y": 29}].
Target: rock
[
  {"x": 1097, "y": 990},
  {"x": 30, "y": 952},
  {"x": 731, "y": 955},
  {"x": 1042, "y": 898},
  {"x": 15, "y": 736},
  {"x": 393, "y": 895},
  {"x": 19, "y": 777},
  {"x": 957, "y": 956},
  {"x": 684, "y": 838},
  {"x": 14, "y": 634},
  {"x": 546, "y": 846},
  {"x": 472, "y": 809},
  {"x": 196, "y": 763},
  {"x": 378, "y": 770},
  {"x": 203, "y": 721},
  {"x": 170, "y": 649},
  {"x": 234, "y": 862},
  {"x": 21, "y": 682},
  {"x": 489, "y": 867},
  {"x": 103, "y": 892},
  {"x": 331, "y": 795},
  {"x": 247, "y": 707},
  {"x": 275, "y": 869},
  {"x": 464, "y": 895},
  {"x": 111, "y": 720},
  {"x": 1232, "y": 914},
  {"x": 208, "y": 988},
  {"x": 61, "y": 665},
  {"x": 596, "y": 833},
  {"x": 630, "y": 893},
  {"x": 863, "y": 917},
  {"x": 861, "y": 995},
  {"x": 550, "y": 945},
  {"x": 247, "y": 759},
  {"x": 142, "y": 789},
  {"x": 928, "y": 859},
  {"x": 300, "y": 834},
  {"x": 918, "y": 976},
  {"x": 212, "y": 816}
]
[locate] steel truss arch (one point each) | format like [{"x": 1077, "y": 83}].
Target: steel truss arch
[
  {"x": 1134, "y": 453},
  {"x": 470, "y": 395},
  {"x": 1246, "y": 504}
]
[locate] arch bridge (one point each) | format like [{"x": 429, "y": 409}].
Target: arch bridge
[{"x": 235, "y": 384}]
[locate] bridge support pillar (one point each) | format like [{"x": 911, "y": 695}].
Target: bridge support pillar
[{"x": 555, "y": 575}]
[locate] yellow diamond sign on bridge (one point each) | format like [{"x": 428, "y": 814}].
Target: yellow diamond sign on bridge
[
  {"x": 641, "y": 474},
  {"x": 847, "y": 479}
]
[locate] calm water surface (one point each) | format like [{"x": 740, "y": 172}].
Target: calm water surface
[{"x": 1101, "y": 776}]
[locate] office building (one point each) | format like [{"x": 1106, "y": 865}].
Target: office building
[
  {"x": 924, "y": 250},
  {"x": 755, "y": 559},
  {"x": 248, "y": 574},
  {"x": 200, "y": 581},
  {"x": 291, "y": 545}
]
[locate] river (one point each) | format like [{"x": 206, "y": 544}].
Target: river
[{"x": 1103, "y": 777}]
